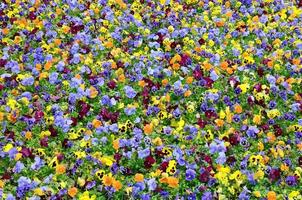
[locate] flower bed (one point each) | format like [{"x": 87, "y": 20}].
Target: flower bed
[{"x": 144, "y": 99}]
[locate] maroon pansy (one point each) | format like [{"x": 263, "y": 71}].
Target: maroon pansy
[
  {"x": 44, "y": 142},
  {"x": 149, "y": 161}
]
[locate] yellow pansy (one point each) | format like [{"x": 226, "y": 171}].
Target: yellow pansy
[
  {"x": 257, "y": 194},
  {"x": 167, "y": 151},
  {"x": 12, "y": 103},
  {"x": 45, "y": 133},
  {"x": 38, "y": 191},
  {"x": 156, "y": 173},
  {"x": 7, "y": 147},
  {"x": 81, "y": 181},
  {"x": 54, "y": 162},
  {"x": 222, "y": 177},
  {"x": 259, "y": 175},
  {"x": 191, "y": 107},
  {"x": 107, "y": 160},
  {"x": 86, "y": 196},
  {"x": 171, "y": 169},
  {"x": 18, "y": 156},
  {"x": 85, "y": 143},
  {"x": 273, "y": 113},
  {"x": 222, "y": 114},
  {"x": 238, "y": 176},
  {"x": 244, "y": 87},
  {"x": 294, "y": 195},
  {"x": 229, "y": 115},
  {"x": 157, "y": 141},
  {"x": 100, "y": 174},
  {"x": 80, "y": 154}
]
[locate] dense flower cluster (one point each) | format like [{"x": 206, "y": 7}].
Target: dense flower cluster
[{"x": 141, "y": 99}]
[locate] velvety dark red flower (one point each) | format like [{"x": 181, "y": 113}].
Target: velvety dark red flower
[
  {"x": 86, "y": 48},
  {"x": 127, "y": 171},
  {"x": 149, "y": 82},
  {"x": 10, "y": 134},
  {"x": 234, "y": 139},
  {"x": 111, "y": 84},
  {"x": 278, "y": 132},
  {"x": 158, "y": 189},
  {"x": 208, "y": 159},
  {"x": 210, "y": 170},
  {"x": 39, "y": 115},
  {"x": 261, "y": 102},
  {"x": 204, "y": 176},
  {"x": 105, "y": 114},
  {"x": 74, "y": 121},
  {"x": 44, "y": 142},
  {"x": 53, "y": 131},
  {"x": 32, "y": 16},
  {"x": 74, "y": 29},
  {"x": 159, "y": 153},
  {"x": 65, "y": 143},
  {"x": 201, "y": 123},
  {"x": 265, "y": 127},
  {"x": 225, "y": 138},
  {"x": 185, "y": 60},
  {"x": 60, "y": 157},
  {"x": 257, "y": 87},
  {"x": 201, "y": 41},
  {"x": 300, "y": 160},
  {"x": 274, "y": 174},
  {"x": 164, "y": 166},
  {"x": 265, "y": 61},
  {"x": 210, "y": 113},
  {"x": 66, "y": 70},
  {"x": 208, "y": 82},
  {"x": 6, "y": 176},
  {"x": 145, "y": 102},
  {"x": 114, "y": 117},
  {"x": 160, "y": 38},
  {"x": 12, "y": 19},
  {"x": 202, "y": 188},
  {"x": 118, "y": 157},
  {"x": 231, "y": 160},
  {"x": 149, "y": 161},
  {"x": 197, "y": 73},
  {"x": 84, "y": 109},
  {"x": 3, "y": 62},
  {"x": 26, "y": 152},
  {"x": 145, "y": 92},
  {"x": 173, "y": 45},
  {"x": 250, "y": 100}
]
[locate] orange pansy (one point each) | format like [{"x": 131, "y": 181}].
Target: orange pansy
[
  {"x": 139, "y": 177},
  {"x": 148, "y": 128},
  {"x": 117, "y": 185},
  {"x": 60, "y": 169},
  {"x": 271, "y": 195},
  {"x": 72, "y": 191},
  {"x": 107, "y": 180},
  {"x": 116, "y": 144}
]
